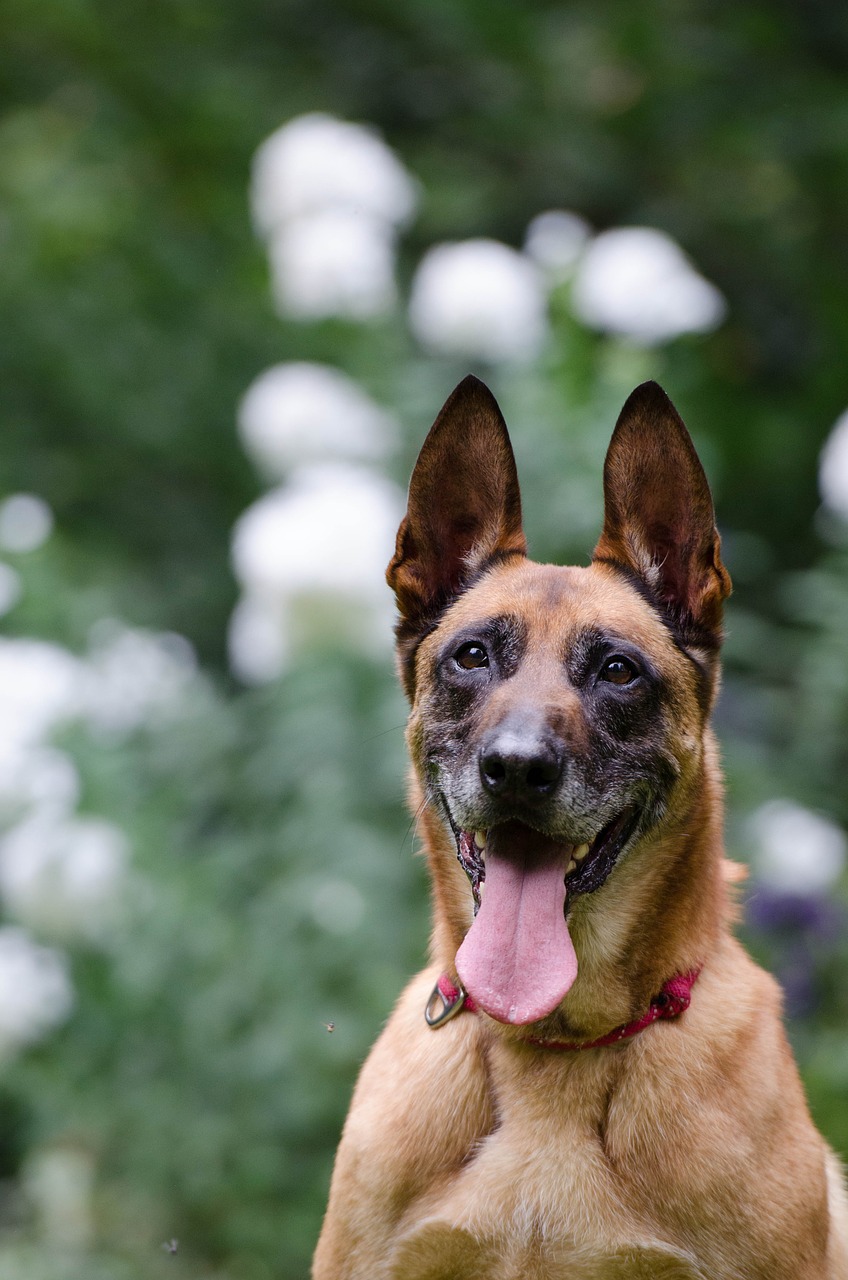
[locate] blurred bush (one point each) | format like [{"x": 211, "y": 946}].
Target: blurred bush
[{"x": 214, "y": 382}]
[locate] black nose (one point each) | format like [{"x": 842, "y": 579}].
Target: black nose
[{"x": 521, "y": 767}]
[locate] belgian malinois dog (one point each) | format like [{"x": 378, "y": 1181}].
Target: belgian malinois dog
[{"x": 591, "y": 1080}]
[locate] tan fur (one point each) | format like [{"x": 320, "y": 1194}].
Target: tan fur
[{"x": 686, "y": 1152}]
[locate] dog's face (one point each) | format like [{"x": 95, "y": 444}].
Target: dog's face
[{"x": 557, "y": 713}]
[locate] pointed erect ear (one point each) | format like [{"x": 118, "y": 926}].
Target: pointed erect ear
[
  {"x": 658, "y": 518},
  {"x": 464, "y": 507}
]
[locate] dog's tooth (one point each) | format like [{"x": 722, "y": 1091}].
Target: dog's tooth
[
  {"x": 480, "y": 839},
  {"x": 580, "y": 852},
  {"x": 571, "y": 867}
]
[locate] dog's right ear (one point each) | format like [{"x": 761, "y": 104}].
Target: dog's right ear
[
  {"x": 658, "y": 517},
  {"x": 463, "y": 511}
]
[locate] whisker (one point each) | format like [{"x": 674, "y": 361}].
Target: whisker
[
  {"x": 383, "y": 733},
  {"x": 413, "y": 825}
]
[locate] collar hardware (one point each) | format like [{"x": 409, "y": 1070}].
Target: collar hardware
[{"x": 447, "y": 999}]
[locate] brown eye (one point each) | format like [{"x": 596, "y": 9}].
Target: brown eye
[
  {"x": 618, "y": 670},
  {"x": 470, "y": 656}
]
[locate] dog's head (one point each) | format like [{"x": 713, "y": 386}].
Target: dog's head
[{"x": 558, "y": 713}]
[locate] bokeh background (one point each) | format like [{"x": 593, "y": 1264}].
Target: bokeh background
[{"x": 247, "y": 250}]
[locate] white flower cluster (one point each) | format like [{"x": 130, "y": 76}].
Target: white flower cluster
[
  {"x": 796, "y": 850},
  {"x": 833, "y": 468},
  {"x": 133, "y": 677},
  {"x": 480, "y": 298},
  {"x": 299, "y": 412},
  {"x": 25, "y": 524},
  {"x": 555, "y": 241},
  {"x": 37, "y": 685},
  {"x": 35, "y": 990},
  {"x": 329, "y": 197},
  {"x": 637, "y": 283},
  {"x": 326, "y": 534},
  {"x": 63, "y": 874}
]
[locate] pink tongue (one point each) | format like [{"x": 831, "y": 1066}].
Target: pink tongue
[{"x": 518, "y": 960}]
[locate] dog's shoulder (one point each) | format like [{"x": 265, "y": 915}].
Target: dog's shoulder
[
  {"x": 725, "y": 1081},
  {"x": 414, "y": 1072},
  {"x": 421, "y": 1104}
]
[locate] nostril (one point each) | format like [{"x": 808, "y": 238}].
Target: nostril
[
  {"x": 494, "y": 770},
  {"x": 541, "y": 775}
]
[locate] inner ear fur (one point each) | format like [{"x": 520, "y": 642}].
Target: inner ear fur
[
  {"x": 659, "y": 521},
  {"x": 463, "y": 510}
]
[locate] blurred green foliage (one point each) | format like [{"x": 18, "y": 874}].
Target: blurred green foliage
[{"x": 197, "y": 1077}]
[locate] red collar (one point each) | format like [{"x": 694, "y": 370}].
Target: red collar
[{"x": 672, "y": 1000}]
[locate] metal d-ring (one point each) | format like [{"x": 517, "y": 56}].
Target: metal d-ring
[{"x": 441, "y": 1008}]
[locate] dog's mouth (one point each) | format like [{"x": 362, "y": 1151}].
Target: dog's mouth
[
  {"x": 518, "y": 960},
  {"x": 587, "y": 866}
]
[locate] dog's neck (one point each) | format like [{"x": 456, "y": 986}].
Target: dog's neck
[{"x": 634, "y": 933}]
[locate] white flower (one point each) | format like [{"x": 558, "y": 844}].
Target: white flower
[
  {"x": 304, "y": 412},
  {"x": 479, "y": 298},
  {"x": 134, "y": 677},
  {"x": 36, "y": 777},
  {"x": 636, "y": 282},
  {"x": 332, "y": 529},
  {"x": 26, "y": 522},
  {"x": 35, "y": 990},
  {"x": 311, "y": 557},
  {"x": 337, "y": 262},
  {"x": 63, "y": 874},
  {"x": 833, "y": 468},
  {"x": 258, "y": 639},
  {"x": 329, "y": 197},
  {"x": 797, "y": 851},
  {"x": 555, "y": 241},
  {"x": 40, "y": 687},
  {"x": 10, "y": 588},
  {"x": 131, "y": 676},
  {"x": 316, "y": 162}
]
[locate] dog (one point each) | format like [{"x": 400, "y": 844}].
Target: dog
[{"x": 591, "y": 1079}]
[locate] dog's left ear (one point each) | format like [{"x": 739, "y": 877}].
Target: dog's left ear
[
  {"x": 464, "y": 508},
  {"x": 658, "y": 516}
]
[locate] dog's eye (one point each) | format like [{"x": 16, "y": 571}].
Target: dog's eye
[
  {"x": 618, "y": 670},
  {"x": 470, "y": 656}
]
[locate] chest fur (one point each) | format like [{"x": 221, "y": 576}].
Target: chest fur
[{"x": 545, "y": 1194}]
